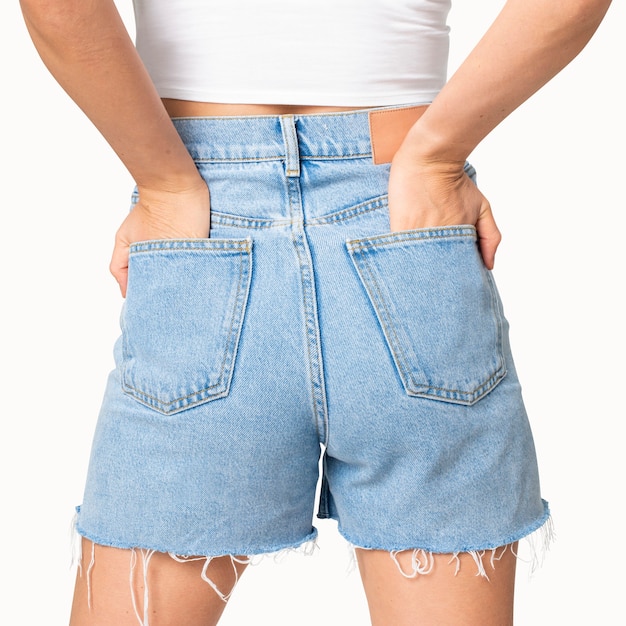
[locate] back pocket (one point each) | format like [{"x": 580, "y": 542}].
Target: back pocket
[
  {"x": 438, "y": 308},
  {"x": 182, "y": 319}
]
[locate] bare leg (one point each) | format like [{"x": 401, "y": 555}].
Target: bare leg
[
  {"x": 105, "y": 587},
  {"x": 439, "y": 597}
]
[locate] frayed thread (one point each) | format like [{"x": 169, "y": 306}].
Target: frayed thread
[
  {"x": 537, "y": 544},
  {"x": 76, "y": 544},
  {"x": 77, "y": 556},
  {"x": 422, "y": 562},
  {"x": 307, "y": 548},
  {"x": 92, "y": 562},
  {"x": 146, "y": 555},
  {"x": 234, "y": 560}
]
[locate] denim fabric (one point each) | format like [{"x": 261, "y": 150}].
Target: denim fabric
[
  {"x": 302, "y": 327},
  {"x": 171, "y": 281}
]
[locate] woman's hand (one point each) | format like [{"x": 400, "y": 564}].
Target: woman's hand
[
  {"x": 527, "y": 44},
  {"x": 426, "y": 193},
  {"x": 161, "y": 214}
]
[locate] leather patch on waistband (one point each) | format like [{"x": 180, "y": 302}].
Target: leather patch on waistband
[{"x": 388, "y": 128}]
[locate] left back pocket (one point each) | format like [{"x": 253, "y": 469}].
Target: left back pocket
[{"x": 182, "y": 319}]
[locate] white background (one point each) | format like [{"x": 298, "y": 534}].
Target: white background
[{"x": 554, "y": 172}]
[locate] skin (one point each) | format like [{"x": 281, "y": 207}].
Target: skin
[
  {"x": 441, "y": 597},
  {"x": 178, "y": 594},
  {"x": 85, "y": 46}
]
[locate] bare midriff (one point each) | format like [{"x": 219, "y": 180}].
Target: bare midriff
[{"x": 188, "y": 108}]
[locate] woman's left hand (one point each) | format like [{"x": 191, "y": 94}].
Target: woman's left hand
[{"x": 424, "y": 194}]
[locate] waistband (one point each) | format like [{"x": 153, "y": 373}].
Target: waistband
[{"x": 375, "y": 133}]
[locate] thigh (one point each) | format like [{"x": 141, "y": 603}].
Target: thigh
[
  {"x": 122, "y": 587},
  {"x": 454, "y": 590}
]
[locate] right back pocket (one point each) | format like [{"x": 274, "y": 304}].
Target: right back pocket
[{"x": 438, "y": 309}]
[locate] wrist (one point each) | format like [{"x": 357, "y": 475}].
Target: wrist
[
  {"x": 188, "y": 182},
  {"x": 428, "y": 146},
  {"x": 174, "y": 197}
]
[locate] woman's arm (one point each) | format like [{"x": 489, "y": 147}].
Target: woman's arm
[
  {"x": 87, "y": 49},
  {"x": 528, "y": 43}
]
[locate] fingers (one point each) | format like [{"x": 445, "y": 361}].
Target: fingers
[
  {"x": 489, "y": 236},
  {"x": 119, "y": 266},
  {"x": 426, "y": 195},
  {"x": 160, "y": 215}
]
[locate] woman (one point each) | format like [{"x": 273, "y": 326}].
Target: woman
[{"x": 340, "y": 303}]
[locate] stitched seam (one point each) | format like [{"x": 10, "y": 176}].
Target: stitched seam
[
  {"x": 226, "y": 219},
  {"x": 278, "y": 157},
  {"x": 402, "y": 236},
  {"x": 235, "y": 221},
  {"x": 335, "y": 157},
  {"x": 385, "y": 316},
  {"x": 200, "y": 245},
  {"x": 345, "y": 214}
]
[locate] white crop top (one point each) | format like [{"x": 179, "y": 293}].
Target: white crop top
[{"x": 322, "y": 52}]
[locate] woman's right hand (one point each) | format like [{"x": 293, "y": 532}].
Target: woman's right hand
[
  {"x": 426, "y": 193},
  {"x": 161, "y": 214}
]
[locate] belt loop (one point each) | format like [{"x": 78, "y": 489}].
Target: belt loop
[{"x": 290, "y": 138}]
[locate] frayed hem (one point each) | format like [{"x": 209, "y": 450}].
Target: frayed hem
[
  {"x": 422, "y": 562},
  {"x": 307, "y": 547},
  {"x": 254, "y": 550}
]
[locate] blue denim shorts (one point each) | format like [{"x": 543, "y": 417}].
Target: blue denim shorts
[{"x": 303, "y": 330}]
